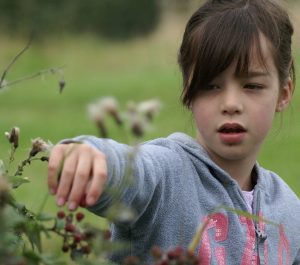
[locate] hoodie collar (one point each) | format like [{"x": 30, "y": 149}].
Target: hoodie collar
[{"x": 197, "y": 151}]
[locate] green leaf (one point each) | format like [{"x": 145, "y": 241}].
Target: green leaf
[
  {"x": 33, "y": 233},
  {"x": 45, "y": 217},
  {"x": 17, "y": 181},
  {"x": 33, "y": 257},
  {"x": 60, "y": 224}
]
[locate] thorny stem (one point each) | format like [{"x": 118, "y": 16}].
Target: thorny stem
[
  {"x": 64, "y": 235},
  {"x": 27, "y": 161},
  {"x": 13, "y": 61},
  {"x": 21, "y": 166},
  {"x": 12, "y": 153}
]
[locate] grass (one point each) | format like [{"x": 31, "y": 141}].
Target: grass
[{"x": 136, "y": 70}]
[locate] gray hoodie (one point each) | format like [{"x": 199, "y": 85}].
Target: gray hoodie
[{"x": 176, "y": 187}]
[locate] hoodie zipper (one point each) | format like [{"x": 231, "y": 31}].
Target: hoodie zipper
[{"x": 260, "y": 235}]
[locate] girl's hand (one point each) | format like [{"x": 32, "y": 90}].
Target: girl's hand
[{"x": 76, "y": 171}]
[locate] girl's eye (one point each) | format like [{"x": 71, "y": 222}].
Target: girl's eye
[
  {"x": 211, "y": 87},
  {"x": 253, "y": 86}
]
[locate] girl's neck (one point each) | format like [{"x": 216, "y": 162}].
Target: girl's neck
[{"x": 241, "y": 170}]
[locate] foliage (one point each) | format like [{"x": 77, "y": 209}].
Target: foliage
[{"x": 119, "y": 19}]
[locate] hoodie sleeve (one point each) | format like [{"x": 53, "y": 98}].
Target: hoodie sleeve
[{"x": 134, "y": 175}]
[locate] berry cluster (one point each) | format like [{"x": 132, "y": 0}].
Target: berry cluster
[
  {"x": 75, "y": 239},
  {"x": 176, "y": 256}
]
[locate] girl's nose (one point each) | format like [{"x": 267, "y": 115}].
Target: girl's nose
[{"x": 231, "y": 102}]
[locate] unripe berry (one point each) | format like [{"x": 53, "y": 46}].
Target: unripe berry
[
  {"x": 156, "y": 252},
  {"x": 82, "y": 202},
  {"x": 131, "y": 260},
  {"x": 77, "y": 238},
  {"x": 60, "y": 214},
  {"x": 79, "y": 216},
  {"x": 69, "y": 227},
  {"x": 65, "y": 248},
  {"x": 175, "y": 253}
]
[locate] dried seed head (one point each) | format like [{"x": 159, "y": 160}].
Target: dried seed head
[
  {"x": 102, "y": 129},
  {"x": 110, "y": 106},
  {"x": 94, "y": 113},
  {"x": 62, "y": 84},
  {"x": 97, "y": 116},
  {"x": 131, "y": 107},
  {"x": 136, "y": 122},
  {"x": 137, "y": 128},
  {"x": 99, "y": 109},
  {"x": 149, "y": 108},
  {"x": 39, "y": 145},
  {"x": 13, "y": 136}
]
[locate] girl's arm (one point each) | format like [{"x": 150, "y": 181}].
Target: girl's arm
[{"x": 134, "y": 173}]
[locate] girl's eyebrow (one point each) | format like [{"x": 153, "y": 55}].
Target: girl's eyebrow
[{"x": 255, "y": 74}]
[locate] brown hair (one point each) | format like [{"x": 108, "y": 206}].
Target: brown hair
[{"x": 224, "y": 31}]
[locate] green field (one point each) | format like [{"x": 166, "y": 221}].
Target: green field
[{"x": 137, "y": 70}]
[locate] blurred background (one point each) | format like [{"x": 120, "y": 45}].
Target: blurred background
[{"x": 121, "y": 48}]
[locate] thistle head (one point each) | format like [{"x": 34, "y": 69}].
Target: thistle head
[
  {"x": 149, "y": 108},
  {"x": 39, "y": 145},
  {"x": 13, "y": 136}
]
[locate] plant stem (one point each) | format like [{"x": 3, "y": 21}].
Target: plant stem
[{"x": 42, "y": 206}]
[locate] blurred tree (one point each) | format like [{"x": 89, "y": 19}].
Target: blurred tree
[{"x": 116, "y": 19}]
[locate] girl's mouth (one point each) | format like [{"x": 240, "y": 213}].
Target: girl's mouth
[{"x": 231, "y": 133}]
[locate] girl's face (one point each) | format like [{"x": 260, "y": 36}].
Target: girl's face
[{"x": 234, "y": 113}]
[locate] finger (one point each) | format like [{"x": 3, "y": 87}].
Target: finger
[
  {"x": 98, "y": 180},
  {"x": 54, "y": 166},
  {"x": 66, "y": 178},
  {"x": 81, "y": 178}
]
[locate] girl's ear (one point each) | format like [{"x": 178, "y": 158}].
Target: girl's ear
[{"x": 285, "y": 95}]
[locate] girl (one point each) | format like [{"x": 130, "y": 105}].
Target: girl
[{"x": 237, "y": 73}]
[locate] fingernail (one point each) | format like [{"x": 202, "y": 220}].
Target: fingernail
[
  {"x": 52, "y": 191},
  {"x": 90, "y": 200},
  {"x": 72, "y": 206},
  {"x": 60, "y": 201}
]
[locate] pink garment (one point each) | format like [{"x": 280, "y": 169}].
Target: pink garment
[{"x": 248, "y": 195}]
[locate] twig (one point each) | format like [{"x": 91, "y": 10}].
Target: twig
[
  {"x": 45, "y": 71},
  {"x": 13, "y": 61}
]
